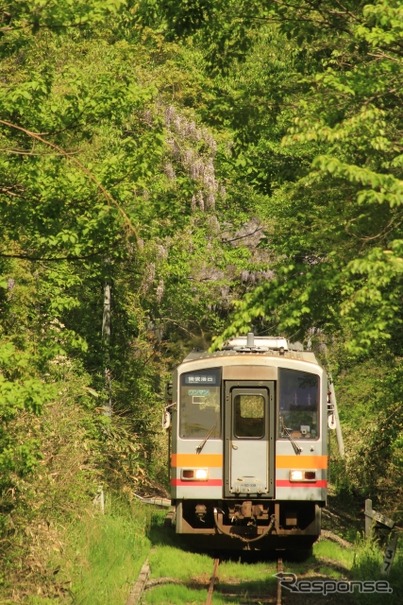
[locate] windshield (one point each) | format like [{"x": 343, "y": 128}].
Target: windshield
[
  {"x": 298, "y": 404},
  {"x": 199, "y": 410}
]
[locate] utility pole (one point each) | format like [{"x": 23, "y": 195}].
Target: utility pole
[{"x": 106, "y": 341}]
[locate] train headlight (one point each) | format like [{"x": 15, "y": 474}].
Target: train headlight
[
  {"x": 298, "y": 475},
  {"x": 194, "y": 474}
]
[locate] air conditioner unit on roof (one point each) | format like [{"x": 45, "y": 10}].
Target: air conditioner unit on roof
[{"x": 250, "y": 341}]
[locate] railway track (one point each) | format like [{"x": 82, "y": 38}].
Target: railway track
[
  {"x": 245, "y": 599},
  {"x": 236, "y": 592}
]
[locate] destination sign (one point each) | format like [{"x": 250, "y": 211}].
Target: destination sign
[
  {"x": 195, "y": 379},
  {"x": 211, "y": 378}
]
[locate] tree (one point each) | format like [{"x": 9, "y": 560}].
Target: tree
[{"x": 336, "y": 220}]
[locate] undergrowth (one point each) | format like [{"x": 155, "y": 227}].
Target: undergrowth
[
  {"x": 106, "y": 552},
  {"x": 101, "y": 557}
]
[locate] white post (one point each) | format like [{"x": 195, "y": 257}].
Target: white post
[{"x": 339, "y": 433}]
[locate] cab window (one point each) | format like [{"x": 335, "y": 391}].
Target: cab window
[
  {"x": 298, "y": 404},
  {"x": 249, "y": 416},
  {"x": 199, "y": 410}
]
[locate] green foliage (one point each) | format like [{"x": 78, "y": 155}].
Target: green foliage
[
  {"x": 55, "y": 14},
  {"x": 198, "y": 158},
  {"x": 334, "y": 222},
  {"x": 21, "y": 393},
  {"x": 372, "y": 299},
  {"x": 371, "y": 415},
  {"x": 185, "y": 17}
]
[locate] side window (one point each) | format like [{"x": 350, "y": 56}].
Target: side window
[
  {"x": 200, "y": 409},
  {"x": 298, "y": 404},
  {"x": 249, "y": 416}
]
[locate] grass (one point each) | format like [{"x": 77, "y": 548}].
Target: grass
[
  {"x": 107, "y": 552},
  {"x": 325, "y": 549},
  {"x": 168, "y": 561},
  {"x": 102, "y": 557}
]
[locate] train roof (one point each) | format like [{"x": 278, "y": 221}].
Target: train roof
[{"x": 277, "y": 346}]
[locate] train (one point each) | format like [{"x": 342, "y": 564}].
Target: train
[{"x": 248, "y": 454}]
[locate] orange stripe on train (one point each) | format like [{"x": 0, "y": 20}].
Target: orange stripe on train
[
  {"x": 197, "y": 460},
  {"x": 301, "y": 462},
  {"x": 216, "y": 461}
]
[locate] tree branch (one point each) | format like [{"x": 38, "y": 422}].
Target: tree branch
[
  {"x": 69, "y": 257},
  {"x": 110, "y": 199}
]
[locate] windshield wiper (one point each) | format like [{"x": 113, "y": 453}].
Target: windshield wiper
[
  {"x": 287, "y": 432},
  {"x": 207, "y": 437}
]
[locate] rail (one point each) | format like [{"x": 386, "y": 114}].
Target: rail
[
  {"x": 252, "y": 599},
  {"x": 279, "y": 587},
  {"x": 213, "y": 582}
]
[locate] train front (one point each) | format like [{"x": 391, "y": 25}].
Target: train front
[{"x": 248, "y": 463}]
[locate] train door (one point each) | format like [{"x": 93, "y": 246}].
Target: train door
[{"x": 249, "y": 438}]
